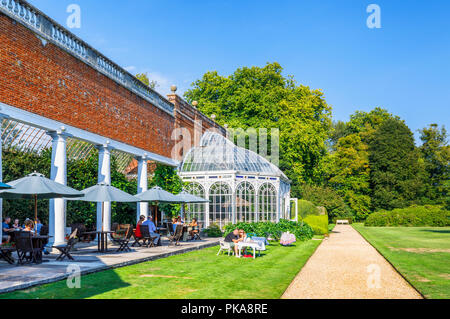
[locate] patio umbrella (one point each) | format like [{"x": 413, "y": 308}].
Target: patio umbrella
[
  {"x": 102, "y": 193},
  {"x": 186, "y": 198},
  {"x": 4, "y": 186},
  {"x": 36, "y": 186},
  {"x": 157, "y": 195}
]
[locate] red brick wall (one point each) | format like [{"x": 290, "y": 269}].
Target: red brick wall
[
  {"x": 48, "y": 81},
  {"x": 52, "y": 83}
]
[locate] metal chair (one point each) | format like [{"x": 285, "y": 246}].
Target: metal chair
[
  {"x": 147, "y": 239},
  {"x": 65, "y": 249},
  {"x": 175, "y": 238},
  {"x": 26, "y": 253},
  {"x": 123, "y": 242}
]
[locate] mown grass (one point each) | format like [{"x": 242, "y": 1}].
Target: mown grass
[
  {"x": 200, "y": 274},
  {"x": 420, "y": 254}
]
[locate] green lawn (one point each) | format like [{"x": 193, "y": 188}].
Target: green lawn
[
  {"x": 199, "y": 274},
  {"x": 420, "y": 254}
]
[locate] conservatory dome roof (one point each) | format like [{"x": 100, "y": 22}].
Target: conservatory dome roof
[{"x": 217, "y": 153}]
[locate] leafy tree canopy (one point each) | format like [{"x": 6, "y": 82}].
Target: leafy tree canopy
[{"x": 262, "y": 97}]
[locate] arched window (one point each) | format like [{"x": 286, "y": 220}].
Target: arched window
[
  {"x": 267, "y": 209},
  {"x": 220, "y": 204},
  {"x": 196, "y": 210},
  {"x": 245, "y": 202}
]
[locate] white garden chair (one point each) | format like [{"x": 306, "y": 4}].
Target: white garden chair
[{"x": 224, "y": 246}]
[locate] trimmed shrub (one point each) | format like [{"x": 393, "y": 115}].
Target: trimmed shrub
[
  {"x": 213, "y": 231},
  {"x": 319, "y": 224},
  {"x": 306, "y": 208},
  {"x": 301, "y": 232},
  {"x": 429, "y": 215}
]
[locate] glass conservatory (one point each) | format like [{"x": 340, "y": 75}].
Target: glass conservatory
[{"x": 241, "y": 186}]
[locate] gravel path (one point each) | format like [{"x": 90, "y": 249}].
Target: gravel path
[{"x": 346, "y": 266}]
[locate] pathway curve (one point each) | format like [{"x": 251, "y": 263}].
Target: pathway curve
[{"x": 346, "y": 266}]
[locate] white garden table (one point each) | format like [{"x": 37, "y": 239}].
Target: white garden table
[{"x": 253, "y": 245}]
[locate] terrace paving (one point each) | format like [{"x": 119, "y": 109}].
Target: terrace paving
[
  {"x": 346, "y": 266},
  {"x": 13, "y": 277}
]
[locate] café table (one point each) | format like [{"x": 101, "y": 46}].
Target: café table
[{"x": 102, "y": 239}]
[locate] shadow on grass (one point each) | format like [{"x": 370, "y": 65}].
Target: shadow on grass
[{"x": 437, "y": 231}]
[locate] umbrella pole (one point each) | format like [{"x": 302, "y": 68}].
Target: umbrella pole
[
  {"x": 35, "y": 213},
  {"x": 156, "y": 214},
  {"x": 103, "y": 206}
]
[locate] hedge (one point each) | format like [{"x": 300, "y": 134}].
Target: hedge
[
  {"x": 301, "y": 232},
  {"x": 319, "y": 224},
  {"x": 306, "y": 208},
  {"x": 429, "y": 215}
]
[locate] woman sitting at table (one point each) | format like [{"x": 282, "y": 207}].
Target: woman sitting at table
[
  {"x": 194, "y": 226},
  {"x": 242, "y": 235},
  {"x": 137, "y": 232},
  {"x": 16, "y": 225},
  {"x": 29, "y": 226},
  {"x": 176, "y": 221}
]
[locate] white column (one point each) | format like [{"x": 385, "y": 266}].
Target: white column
[
  {"x": 104, "y": 176},
  {"x": 142, "y": 208},
  {"x": 58, "y": 173}
]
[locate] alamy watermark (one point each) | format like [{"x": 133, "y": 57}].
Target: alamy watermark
[
  {"x": 374, "y": 19},
  {"x": 74, "y": 19},
  {"x": 374, "y": 277},
  {"x": 74, "y": 278}
]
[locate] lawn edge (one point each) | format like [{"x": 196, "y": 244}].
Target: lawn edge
[
  {"x": 390, "y": 263},
  {"x": 295, "y": 276},
  {"x": 107, "y": 267}
]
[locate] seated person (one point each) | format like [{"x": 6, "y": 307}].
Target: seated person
[
  {"x": 29, "y": 226},
  {"x": 242, "y": 235},
  {"x": 233, "y": 239},
  {"x": 16, "y": 225},
  {"x": 176, "y": 221},
  {"x": 194, "y": 225},
  {"x": 6, "y": 229},
  {"x": 152, "y": 229},
  {"x": 137, "y": 233},
  {"x": 38, "y": 226}
]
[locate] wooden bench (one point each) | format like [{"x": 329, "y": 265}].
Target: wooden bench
[{"x": 341, "y": 221}]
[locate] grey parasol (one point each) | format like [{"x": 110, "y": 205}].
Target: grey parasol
[{"x": 37, "y": 186}]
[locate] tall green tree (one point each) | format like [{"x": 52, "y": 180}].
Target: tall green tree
[
  {"x": 143, "y": 77},
  {"x": 262, "y": 97},
  {"x": 348, "y": 174},
  {"x": 396, "y": 171},
  {"x": 436, "y": 154}
]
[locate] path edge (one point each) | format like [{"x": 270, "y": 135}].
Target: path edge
[
  {"x": 390, "y": 263},
  {"x": 292, "y": 281}
]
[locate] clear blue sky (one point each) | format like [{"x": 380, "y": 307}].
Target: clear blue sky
[{"x": 404, "y": 66}]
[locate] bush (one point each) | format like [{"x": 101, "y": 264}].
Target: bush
[
  {"x": 306, "y": 208},
  {"x": 213, "y": 231},
  {"x": 319, "y": 224},
  {"x": 301, "y": 232},
  {"x": 328, "y": 198},
  {"x": 429, "y": 215}
]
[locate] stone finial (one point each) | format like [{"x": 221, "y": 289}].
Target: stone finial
[
  {"x": 195, "y": 104},
  {"x": 173, "y": 88},
  {"x": 225, "y": 126},
  {"x": 213, "y": 116}
]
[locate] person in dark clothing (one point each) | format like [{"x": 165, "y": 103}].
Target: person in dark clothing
[{"x": 233, "y": 239}]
